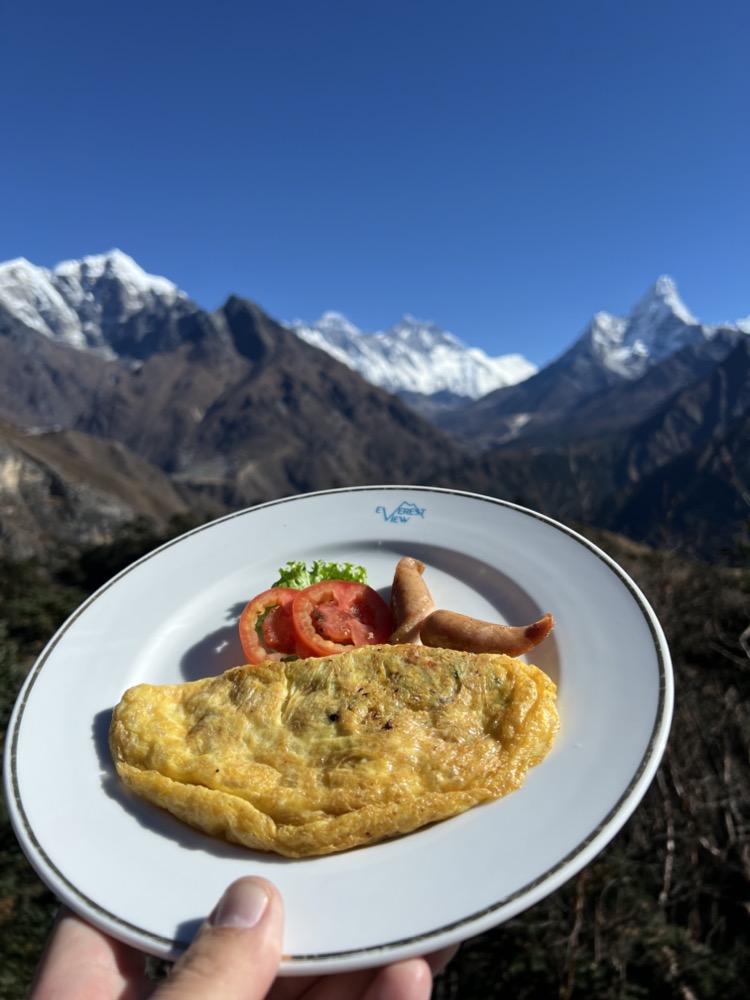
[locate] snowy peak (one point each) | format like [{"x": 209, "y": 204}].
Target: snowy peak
[
  {"x": 658, "y": 326},
  {"x": 84, "y": 277},
  {"x": 413, "y": 356},
  {"x": 420, "y": 334},
  {"x": 335, "y": 324},
  {"x": 108, "y": 304},
  {"x": 660, "y": 302},
  {"x": 29, "y": 294},
  {"x": 80, "y": 303}
]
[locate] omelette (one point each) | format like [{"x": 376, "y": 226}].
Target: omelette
[{"x": 314, "y": 756}]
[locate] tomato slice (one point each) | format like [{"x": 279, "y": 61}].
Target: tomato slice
[
  {"x": 266, "y": 628},
  {"x": 335, "y": 615}
]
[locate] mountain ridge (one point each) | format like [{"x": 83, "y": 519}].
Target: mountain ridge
[
  {"x": 107, "y": 304},
  {"x": 232, "y": 407},
  {"x": 101, "y": 303},
  {"x": 83, "y": 303},
  {"x": 612, "y": 355},
  {"x": 414, "y": 357},
  {"x": 678, "y": 480}
]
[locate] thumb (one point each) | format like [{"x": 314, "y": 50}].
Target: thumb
[{"x": 236, "y": 953}]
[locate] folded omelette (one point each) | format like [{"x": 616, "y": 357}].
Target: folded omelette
[{"x": 319, "y": 755}]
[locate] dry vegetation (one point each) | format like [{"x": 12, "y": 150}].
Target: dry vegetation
[{"x": 664, "y": 910}]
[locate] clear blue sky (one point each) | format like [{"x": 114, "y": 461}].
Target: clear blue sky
[{"x": 504, "y": 168}]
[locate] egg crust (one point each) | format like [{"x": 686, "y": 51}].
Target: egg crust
[{"x": 320, "y": 755}]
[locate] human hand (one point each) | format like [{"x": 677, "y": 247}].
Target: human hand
[{"x": 235, "y": 956}]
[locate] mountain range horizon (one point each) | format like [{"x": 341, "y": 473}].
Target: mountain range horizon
[
  {"x": 63, "y": 304},
  {"x": 117, "y": 387}
]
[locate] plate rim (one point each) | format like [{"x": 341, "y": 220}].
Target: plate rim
[{"x": 531, "y": 892}]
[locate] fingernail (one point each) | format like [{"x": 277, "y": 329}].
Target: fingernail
[{"x": 242, "y": 905}]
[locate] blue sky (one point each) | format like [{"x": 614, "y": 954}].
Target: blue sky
[{"x": 504, "y": 168}]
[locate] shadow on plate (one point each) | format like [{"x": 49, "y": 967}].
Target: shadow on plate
[{"x": 219, "y": 651}]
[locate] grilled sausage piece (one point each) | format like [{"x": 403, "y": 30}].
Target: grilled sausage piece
[
  {"x": 449, "y": 630},
  {"x": 411, "y": 600}
]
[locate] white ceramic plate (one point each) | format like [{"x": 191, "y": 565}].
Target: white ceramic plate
[{"x": 149, "y": 880}]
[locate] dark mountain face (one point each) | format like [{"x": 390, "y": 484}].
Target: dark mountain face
[
  {"x": 695, "y": 455},
  {"x": 583, "y": 393},
  {"x": 626, "y": 404},
  {"x": 41, "y": 383},
  {"x": 679, "y": 479},
  {"x": 159, "y": 328},
  {"x": 232, "y": 407},
  {"x": 300, "y": 420}
]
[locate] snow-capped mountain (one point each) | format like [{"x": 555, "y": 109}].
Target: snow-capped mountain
[
  {"x": 85, "y": 303},
  {"x": 232, "y": 406},
  {"x": 615, "y": 348},
  {"x": 659, "y": 325},
  {"x": 659, "y": 336},
  {"x": 414, "y": 357},
  {"x": 107, "y": 304}
]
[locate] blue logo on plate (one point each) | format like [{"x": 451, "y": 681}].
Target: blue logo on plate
[{"x": 402, "y": 513}]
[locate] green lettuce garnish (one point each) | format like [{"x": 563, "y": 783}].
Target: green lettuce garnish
[{"x": 298, "y": 575}]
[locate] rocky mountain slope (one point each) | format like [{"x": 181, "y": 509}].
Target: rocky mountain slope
[
  {"x": 225, "y": 409},
  {"x": 108, "y": 305},
  {"x": 677, "y": 479},
  {"x": 639, "y": 427},
  {"x": 63, "y": 490},
  {"x": 612, "y": 376}
]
